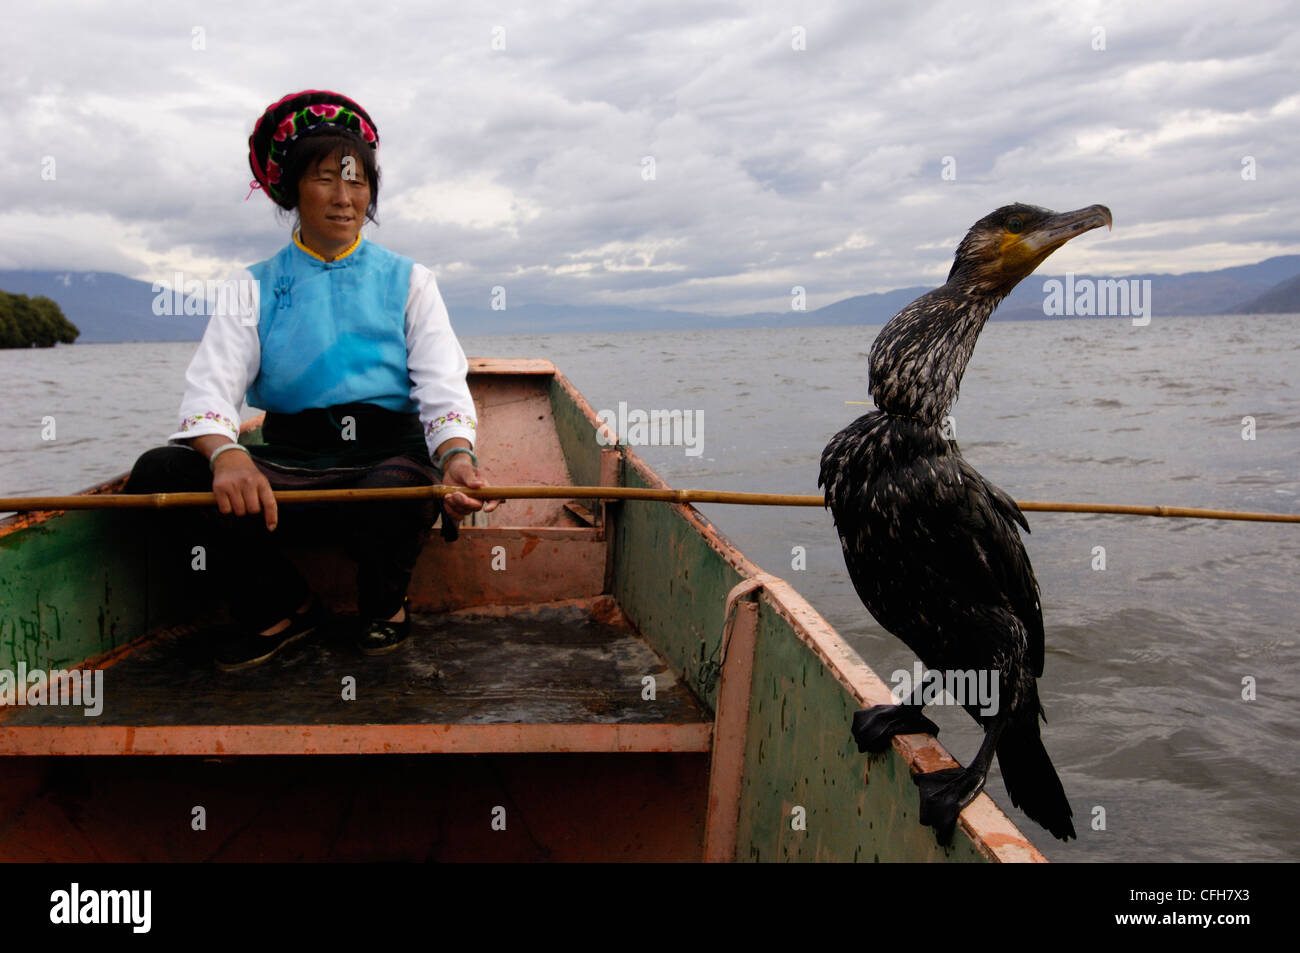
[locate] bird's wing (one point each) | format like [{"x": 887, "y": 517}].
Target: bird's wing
[
  {"x": 987, "y": 517},
  {"x": 1005, "y": 504},
  {"x": 910, "y": 509}
]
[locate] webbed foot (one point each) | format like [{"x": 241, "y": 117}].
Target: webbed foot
[
  {"x": 874, "y": 727},
  {"x": 943, "y": 796}
]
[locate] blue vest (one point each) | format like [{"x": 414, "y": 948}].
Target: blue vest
[{"x": 332, "y": 332}]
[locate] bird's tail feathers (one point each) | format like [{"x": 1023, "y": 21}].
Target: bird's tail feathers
[{"x": 1031, "y": 779}]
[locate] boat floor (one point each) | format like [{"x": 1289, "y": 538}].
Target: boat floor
[{"x": 564, "y": 677}]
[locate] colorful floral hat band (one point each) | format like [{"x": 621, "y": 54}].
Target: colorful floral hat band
[{"x": 285, "y": 121}]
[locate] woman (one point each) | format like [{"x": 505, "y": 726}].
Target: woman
[{"x": 349, "y": 349}]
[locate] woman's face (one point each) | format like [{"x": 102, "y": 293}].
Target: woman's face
[{"x": 332, "y": 200}]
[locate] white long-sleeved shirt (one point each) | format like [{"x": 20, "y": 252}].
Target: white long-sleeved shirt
[{"x": 228, "y": 360}]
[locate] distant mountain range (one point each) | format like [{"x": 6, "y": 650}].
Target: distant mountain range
[
  {"x": 104, "y": 307},
  {"x": 1282, "y": 298},
  {"x": 110, "y": 308},
  {"x": 1244, "y": 289}
]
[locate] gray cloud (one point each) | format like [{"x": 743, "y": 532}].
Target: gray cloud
[{"x": 774, "y": 166}]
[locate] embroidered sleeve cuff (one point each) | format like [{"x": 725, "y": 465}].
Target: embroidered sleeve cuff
[
  {"x": 196, "y": 425},
  {"x": 444, "y": 428}
]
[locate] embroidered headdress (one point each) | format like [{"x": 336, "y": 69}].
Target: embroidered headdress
[{"x": 287, "y": 120}]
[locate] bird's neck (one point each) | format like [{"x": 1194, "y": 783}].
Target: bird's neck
[{"x": 919, "y": 357}]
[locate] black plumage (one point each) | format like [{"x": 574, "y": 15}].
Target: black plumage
[{"x": 931, "y": 546}]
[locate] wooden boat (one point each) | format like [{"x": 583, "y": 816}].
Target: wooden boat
[{"x": 566, "y": 694}]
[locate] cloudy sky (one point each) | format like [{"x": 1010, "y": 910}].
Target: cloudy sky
[{"x": 792, "y": 143}]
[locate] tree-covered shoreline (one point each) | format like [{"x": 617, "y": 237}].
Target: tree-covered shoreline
[{"x": 33, "y": 322}]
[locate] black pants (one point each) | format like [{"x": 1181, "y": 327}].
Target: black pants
[{"x": 245, "y": 560}]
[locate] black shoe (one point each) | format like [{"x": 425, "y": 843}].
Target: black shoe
[
  {"x": 250, "y": 649},
  {"x": 379, "y": 636}
]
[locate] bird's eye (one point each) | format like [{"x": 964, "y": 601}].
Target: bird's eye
[{"x": 1015, "y": 224}]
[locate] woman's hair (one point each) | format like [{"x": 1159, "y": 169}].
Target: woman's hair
[{"x": 324, "y": 143}]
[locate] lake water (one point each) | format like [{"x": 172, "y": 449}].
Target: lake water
[{"x": 1145, "y": 659}]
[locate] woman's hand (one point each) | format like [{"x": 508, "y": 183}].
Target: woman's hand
[
  {"x": 239, "y": 486},
  {"x": 462, "y": 472}
]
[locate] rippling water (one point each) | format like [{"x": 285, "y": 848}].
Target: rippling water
[{"x": 1145, "y": 660}]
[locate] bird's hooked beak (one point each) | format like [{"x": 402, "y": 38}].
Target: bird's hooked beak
[{"x": 1025, "y": 251}]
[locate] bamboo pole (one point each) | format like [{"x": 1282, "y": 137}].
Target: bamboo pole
[{"x": 95, "y": 501}]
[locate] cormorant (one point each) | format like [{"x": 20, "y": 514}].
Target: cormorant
[{"x": 931, "y": 546}]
